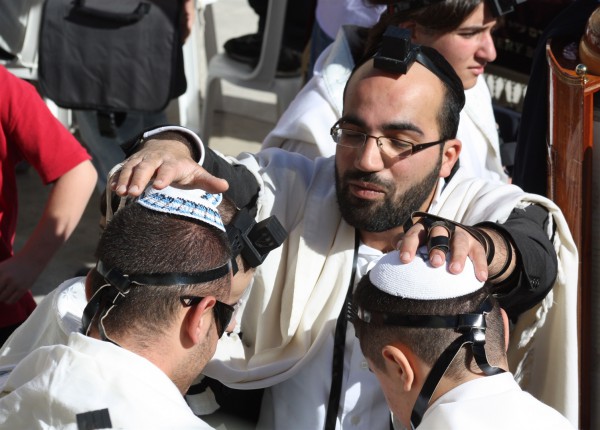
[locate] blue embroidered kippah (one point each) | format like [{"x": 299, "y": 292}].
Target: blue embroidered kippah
[{"x": 197, "y": 204}]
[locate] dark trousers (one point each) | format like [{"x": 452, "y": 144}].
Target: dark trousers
[
  {"x": 298, "y": 21},
  {"x": 5, "y": 332}
]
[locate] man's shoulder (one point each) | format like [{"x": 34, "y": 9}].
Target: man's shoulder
[
  {"x": 462, "y": 183},
  {"x": 55, "y": 317},
  {"x": 482, "y": 403},
  {"x": 471, "y": 187},
  {"x": 88, "y": 376},
  {"x": 471, "y": 200}
]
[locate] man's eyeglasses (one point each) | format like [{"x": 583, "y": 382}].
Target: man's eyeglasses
[
  {"x": 394, "y": 148},
  {"x": 222, "y": 312}
]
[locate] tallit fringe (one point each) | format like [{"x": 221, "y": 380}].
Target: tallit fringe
[
  {"x": 522, "y": 371},
  {"x": 540, "y": 314}
]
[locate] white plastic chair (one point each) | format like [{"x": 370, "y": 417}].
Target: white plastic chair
[
  {"x": 262, "y": 77},
  {"x": 24, "y": 45}
]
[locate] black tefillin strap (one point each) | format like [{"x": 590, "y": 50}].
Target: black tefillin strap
[
  {"x": 473, "y": 326},
  {"x": 119, "y": 285},
  {"x": 483, "y": 238},
  {"x": 339, "y": 345}
]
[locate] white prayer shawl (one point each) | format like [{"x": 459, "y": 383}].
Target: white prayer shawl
[
  {"x": 304, "y": 126},
  {"x": 299, "y": 290},
  {"x": 332, "y": 14},
  {"x": 491, "y": 403},
  {"x": 52, "y": 321},
  {"x": 478, "y": 132},
  {"x": 55, "y": 383}
]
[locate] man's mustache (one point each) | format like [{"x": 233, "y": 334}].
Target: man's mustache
[{"x": 367, "y": 177}]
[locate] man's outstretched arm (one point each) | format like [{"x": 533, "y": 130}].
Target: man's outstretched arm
[{"x": 178, "y": 156}]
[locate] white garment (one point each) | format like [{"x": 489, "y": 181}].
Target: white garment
[
  {"x": 332, "y": 14},
  {"x": 53, "y": 320},
  {"x": 480, "y": 155},
  {"x": 53, "y": 384},
  {"x": 304, "y": 126},
  {"x": 299, "y": 290},
  {"x": 491, "y": 403},
  {"x": 362, "y": 404}
]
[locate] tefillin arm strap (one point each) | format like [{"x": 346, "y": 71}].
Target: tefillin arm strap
[{"x": 473, "y": 326}]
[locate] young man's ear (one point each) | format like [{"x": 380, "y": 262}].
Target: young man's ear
[
  {"x": 199, "y": 320},
  {"x": 450, "y": 156},
  {"x": 398, "y": 365}
]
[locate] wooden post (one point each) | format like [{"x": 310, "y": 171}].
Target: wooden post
[{"x": 570, "y": 148}]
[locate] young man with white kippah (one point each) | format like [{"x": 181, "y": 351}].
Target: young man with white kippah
[
  {"x": 159, "y": 300},
  {"x": 396, "y": 154},
  {"x": 437, "y": 343}
]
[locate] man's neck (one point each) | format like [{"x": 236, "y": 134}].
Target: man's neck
[
  {"x": 447, "y": 384},
  {"x": 163, "y": 358}
]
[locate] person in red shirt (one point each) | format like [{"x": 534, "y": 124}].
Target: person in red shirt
[{"x": 29, "y": 131}]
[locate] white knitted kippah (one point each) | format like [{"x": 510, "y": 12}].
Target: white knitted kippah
[
  {"x": 421, "y": 281},
  {"x": 197, "y": 204}
]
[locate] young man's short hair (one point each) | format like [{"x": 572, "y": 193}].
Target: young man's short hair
[
  {"x": 142, "y": 241},
  {"x": 427, "y": 343}
]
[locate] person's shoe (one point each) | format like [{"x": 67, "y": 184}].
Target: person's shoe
[
  {"x": 289, "y": 64},
  {"x": 246, "y": 49}
]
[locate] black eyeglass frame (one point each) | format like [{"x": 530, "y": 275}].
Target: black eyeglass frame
[
  {"x": 414, "y": 147},
  {"x": 223, "y": 313}
]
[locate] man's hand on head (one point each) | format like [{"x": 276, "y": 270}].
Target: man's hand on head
[
  {"x": 461, "y": 245},
  {"x": 166, "y": 162}
]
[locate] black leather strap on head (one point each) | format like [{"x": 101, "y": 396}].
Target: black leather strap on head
[
  {"x": 473, "y": 327},
  {"x": 122, "y": 281},
  {"x": 119, "y": 284},
  {"x": 474, "y": 335},
  {"x": 397, "y": 53}
]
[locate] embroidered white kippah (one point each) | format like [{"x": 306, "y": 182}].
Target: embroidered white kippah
[
  {"x": 197, "y": 204},
  {"x": 419, "y": 280}
]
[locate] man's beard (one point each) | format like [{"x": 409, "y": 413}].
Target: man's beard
[{"x": 393, "y": 211}]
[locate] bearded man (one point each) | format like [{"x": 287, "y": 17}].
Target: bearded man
[{"x": 396, "y": 153}]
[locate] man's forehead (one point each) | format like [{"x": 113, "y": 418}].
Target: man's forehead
[
  {"x": 393, "y": 101},
  {"x": 418, "y": 81},
  {"x": 416, "y": 72}
]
